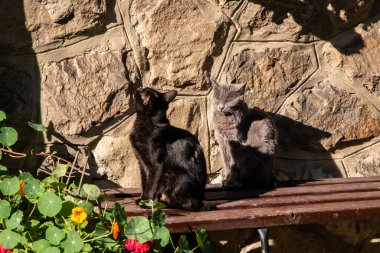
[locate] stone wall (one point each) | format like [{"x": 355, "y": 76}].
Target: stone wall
[{"x": 314, "y": 65}]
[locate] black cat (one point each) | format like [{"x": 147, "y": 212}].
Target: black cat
[{"x": 172, "y": 163}]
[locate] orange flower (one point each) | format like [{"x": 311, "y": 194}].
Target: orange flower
[
  {"x": 21, "y": 190},
  {"x": 78, "y": 214},
  {"x": 115, "y": 229}
]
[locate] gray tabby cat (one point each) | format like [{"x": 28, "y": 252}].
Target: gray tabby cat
[{"x": 246, "y": 138}]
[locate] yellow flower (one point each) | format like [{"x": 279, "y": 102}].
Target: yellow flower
[
  {"x": 78, "y": 214},
  {"x": 21, "y": 190},
  {"x": 115, "y": 229}
]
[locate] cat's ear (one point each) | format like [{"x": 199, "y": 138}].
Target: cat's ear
[
  {"x": 240, "y": 88},
  {"x": 169, "y": 96},
  {"x": 214, "y": 84}
]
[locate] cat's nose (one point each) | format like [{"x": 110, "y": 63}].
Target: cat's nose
[{"x": 221, "y": 107}]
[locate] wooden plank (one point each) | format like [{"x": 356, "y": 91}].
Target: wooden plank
[
  {"x": 267, "y": 216},
  {"x": 292, "y": 191},
  {"x": 214, "y": 192},
  {"x": 328, "y": 181},
  {"x": 296, "y": 200}
]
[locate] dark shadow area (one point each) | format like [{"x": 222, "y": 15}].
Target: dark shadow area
[
  {"x": 293, "y": 136},
  {"x": 19, "y": 80},
  {"x": 324, "y": 19},
  {"x": 299, "y": 144}
]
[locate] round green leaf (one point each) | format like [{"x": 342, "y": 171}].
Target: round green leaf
[
  {"x": 162, "y": 234},
  {"x": 73, "y": 242},
  {"x": 5, "y": 209},
  {"x": 92, "y": 191},
  {"x": 15, "y": 220},
  {"x": 32, "y": 188},
  {"x": 152, "y": 204},
  {"x": 26, "y": 176},
  {"x": 8, "y": 136},
  {"x": 49, "y": 204},
  {"x": 50, "y": 180},
  {"x": 51, "y": 250},
  {"x": 40, "y": 245},
  {"x": 61, "y": 169},
  {"x": 138, "y": 228},
  {"x": 54, "y": 235},
  {"x": 3, "y": 116},
  {"x": 10, "y": 186},
  {"x": 9, "y": 239}
]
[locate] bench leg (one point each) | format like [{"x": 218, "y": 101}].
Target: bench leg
[{"x": 263, "y": 234}]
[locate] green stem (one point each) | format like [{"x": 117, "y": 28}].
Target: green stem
[
  {"x": 90, "y": 234},
  {"x": 171, "y": 241},
  {"x": 195, "y": 248},
  {"x": 31, "y": 212},
  {"x": 98, "y": 237}
]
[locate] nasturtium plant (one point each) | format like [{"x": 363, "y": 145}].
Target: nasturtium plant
[
  {"x": 138, "y": 228},
  {"x": 37, "y": 127},
  {"x": 54, "y": 235},
  {"x": 8, "y": 136},
  {"x": 5, "y": 209},
  {"x": 49, "y": 204},
  {"x": 14, "y": 222},
  {"x": 92, "y": 191},
  {"x": 61, "y": 169},
  {"x": 9, "y": 239},
  {"x": 48, "y": 216},
  {"x": 73, "y": 242},
  {"x": 10, "y": 186},
  {"x": 40, "y": 245}
]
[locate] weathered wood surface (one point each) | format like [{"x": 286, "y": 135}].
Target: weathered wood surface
[{"x": 295, "y": 202}]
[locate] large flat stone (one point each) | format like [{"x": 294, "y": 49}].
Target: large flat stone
[
  {"x": 324, "y": 105},
  {"x": 301, "y": 21},
  {"x": 91, "y": 80},
  {"x": 356, "y": 55},
  {"x": 85, "y": 91},
  {"x": 270, "y": 70},
  {"x": 60, "y": 20},
  {"x": 115, "y": 159},
  {"x": 365, "y": 163},
  {"x": 176, "y": 41}
]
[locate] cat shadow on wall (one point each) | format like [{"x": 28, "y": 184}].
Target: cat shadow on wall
[
  {"x": 323, "y": 19},
  {"x": 300, "y": 154},
  {"x": 297, "y": 144}
]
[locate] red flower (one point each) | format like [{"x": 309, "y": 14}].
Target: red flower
[
  {"x": 136, "y": 247},
  {"x": 130, "y": 244},
  {"x": 4, "y": 250}
]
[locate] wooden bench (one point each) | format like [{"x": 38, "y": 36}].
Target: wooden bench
[{"x": 291, "y": 203}]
